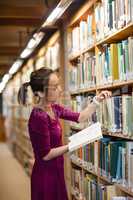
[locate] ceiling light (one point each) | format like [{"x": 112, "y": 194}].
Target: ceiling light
[
  {"x": 6, "y": 78},
  {"x": 53, "y": 15},
  {"x": 2, "y": 86},
  {"x": 26, "y": 52},
  {"x": 15, "y": 66},
  {"x": 57, "y": 12},
  {"x": 35, "y": 40}
]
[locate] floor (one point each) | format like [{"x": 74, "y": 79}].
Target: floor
[{"x": 14, "y": 182}]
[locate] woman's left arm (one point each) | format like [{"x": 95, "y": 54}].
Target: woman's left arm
[
  {"x": 91, "y": 107},
  {"x": 68, "y": 114}
]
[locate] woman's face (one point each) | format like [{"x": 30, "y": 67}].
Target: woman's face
[{"x": 54, "y": 88}]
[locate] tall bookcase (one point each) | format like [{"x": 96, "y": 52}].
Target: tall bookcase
[{"x": 100, "y": 51}]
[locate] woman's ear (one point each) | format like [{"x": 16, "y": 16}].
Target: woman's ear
[{"x": 41, "y": 94}]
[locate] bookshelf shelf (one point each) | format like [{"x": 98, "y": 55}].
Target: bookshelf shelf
[
  {"x": 125, "y": 189},
  {"x": 81, "y": 165},
  {"x": 105, "y": 179},
  {"x": 82, "y": 12},
  {"x": 77, "y": 163},
  {"x": 118, "y": 135},
  {"x": 108, "y": 86},
  {"x": 83, "y": 91},
  {"x": 118, "y": 35},
  {"x": 92, "y": 172},
  {"x": 74, "y": 56},
  {"x": 115, "y": 85}
]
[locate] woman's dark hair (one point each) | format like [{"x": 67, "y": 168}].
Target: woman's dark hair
[{"x": 39, "y": 83}]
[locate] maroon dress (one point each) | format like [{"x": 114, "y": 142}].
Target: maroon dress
[{"x": 47, "y": 179}]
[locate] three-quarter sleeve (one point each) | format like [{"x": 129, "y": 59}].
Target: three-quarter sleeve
[
  {"x": 66, "y": 113},
  {"x": 40, "y": 136}
]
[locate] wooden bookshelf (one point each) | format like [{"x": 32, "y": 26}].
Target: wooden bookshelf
[
  {"x": 108, "y": 87},
  {"x": 80, "y": 91},
  {"x": 46, "y": 54},
  {"x": 78, "y": 54},
  {"x": 81, "y": 13},
  {"x": 116, "y": 85},
  {"x": 113, "y": 36},
  {"x": 117, "y": 35},
  {"x": 125, "y": 189},
  {"x": 105, "y": 179}
]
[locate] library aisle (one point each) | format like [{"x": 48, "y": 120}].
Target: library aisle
[{"x": 14, "y": 183}]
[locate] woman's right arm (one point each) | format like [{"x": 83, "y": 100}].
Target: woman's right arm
[{"x": 55, "y": 152}]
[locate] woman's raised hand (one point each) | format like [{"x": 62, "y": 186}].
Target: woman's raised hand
[{"x": 103, "y": 95}]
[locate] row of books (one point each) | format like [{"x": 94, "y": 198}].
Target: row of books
[
  {"x": 51, "y": 59},
  {"x": 112, "y": 15},
  {"x": 83, "y": 74},
  {"x": 109, "y": 158},
  {"x": 99, "y": 191},
  {"x": 82, "y": 36},
  {"x": 76, "y": 181},
  {"x": 87, "y": 187},
  {"x": 115, "y": 62},
  {"x": 116, "y": 114},
  {"x": 116, "y": 161},
  {"x": 108, "y": 16}
]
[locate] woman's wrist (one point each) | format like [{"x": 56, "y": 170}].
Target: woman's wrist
[
  {"x": 67, "y": 148},
  {"x": 96, "y": 101}
]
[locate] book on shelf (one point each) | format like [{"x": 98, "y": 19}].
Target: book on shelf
[
  {"x": 52, "y": 59},
  {"x": 96, "y": 190},
  {"x": 112, "y": 159},
  {"x": 76, "y": 181},
  {"x": 111, "y": 16},
  {"x": 82, "y": 36},
  {"x": 87, "y": 135},
  {"x": 115, "y": 161},
  {"x": 83, "y": 74},
  {"x": 90, "y": 187},
  {"x": 116, "y": 114},
  {"x": 114, "y": 63}
]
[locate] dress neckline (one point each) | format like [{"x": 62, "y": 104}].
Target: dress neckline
[{"x": 54, "y": 119}]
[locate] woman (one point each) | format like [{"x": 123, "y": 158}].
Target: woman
[{"x": 47, "y": 180}]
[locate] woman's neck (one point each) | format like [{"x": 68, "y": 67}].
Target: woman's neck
[{"x": 45, "y": 105}]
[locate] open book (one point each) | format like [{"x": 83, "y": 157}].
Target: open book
[{"x": 86, "y": 136}]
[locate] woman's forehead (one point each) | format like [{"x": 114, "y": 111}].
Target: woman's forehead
[{"x": 53, "y": 78}]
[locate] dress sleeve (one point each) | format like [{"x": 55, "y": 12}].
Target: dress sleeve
[
  {"x": 66, "y": 113},
  {"x": 41, "y": 137}
]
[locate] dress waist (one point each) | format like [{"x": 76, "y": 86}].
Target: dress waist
[{"x": 53, "y": 163}]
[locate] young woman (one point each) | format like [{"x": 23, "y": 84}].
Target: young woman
[{"x": 47, "y": 180}]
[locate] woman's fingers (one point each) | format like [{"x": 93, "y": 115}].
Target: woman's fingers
[{"x": 105, "y": 94}]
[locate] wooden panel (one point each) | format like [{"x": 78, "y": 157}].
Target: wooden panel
[
  {"x": 9, "y": 50},
  {"x": 22, "y": 12}
]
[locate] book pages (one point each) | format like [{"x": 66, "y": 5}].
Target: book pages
[{"x": 87, "y": 135}]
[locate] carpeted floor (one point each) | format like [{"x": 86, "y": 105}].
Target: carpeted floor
[{"x": 14, "y": 183}]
